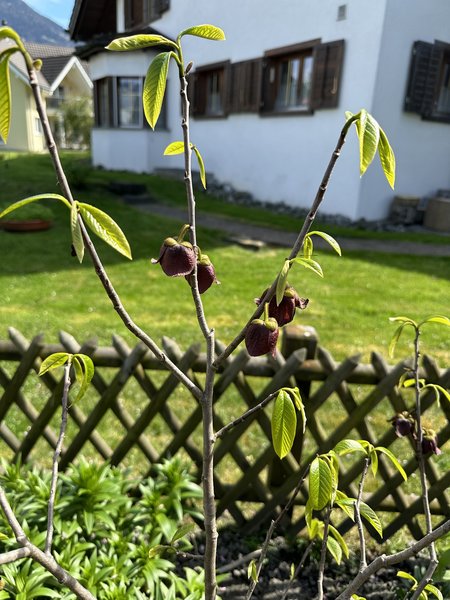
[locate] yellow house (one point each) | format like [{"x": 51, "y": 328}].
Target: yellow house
[{"x": 62, "y": 77}]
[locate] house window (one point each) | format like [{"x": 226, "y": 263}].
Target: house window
[
  {"x": 139, "y": 13},
  {"x": 118, "y": 104},
  {"x": 129, "y": 94},
  {"x": 302, "y": 78},
  {"x": 428, "y": 89},
  {"x": 293, "y": 88},
  {"x": 208, "y": 91},
  {"x": 37, "y": 126}
]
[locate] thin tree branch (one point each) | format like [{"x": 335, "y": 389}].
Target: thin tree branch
[
  {"x": 56, "y": 455},
  {"x": 98, "y": 265},
  {"x": 297, "y": 570},
  {"x": 13, "y": 555},
  {"x": 48, "y": 562},
  {"x": 422, "y": 472},
  {"x": 323, "y": 553},
  {"x": 245, "y": 416},
  {"x": 362, "y": 540},
  {"x": 384, "y": 561},
  {"x": 297, "y": 245},
  {"x": 273, "y": 525}
]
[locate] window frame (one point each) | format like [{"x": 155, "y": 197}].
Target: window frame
[
  {"x": 425, "y": 80},
  {"x": 200, "y": 93},
  {"x": 272, "y": 64},
  {"x": 112, "y": 119}
]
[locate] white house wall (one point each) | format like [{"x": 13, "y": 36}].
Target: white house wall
[
  {"x": 422, "y": 147},
  {"x": 284, "y": 157}
]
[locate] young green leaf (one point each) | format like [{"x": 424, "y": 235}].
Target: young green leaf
[
  {"x": 436, "y": 319},
  {"x": 334, "y": 549},
  {"x": 284, "y": 424},
  {"x": 282, "y": 281},
  {"x": 434, "y": 590},
  {"x": 25, "y": 201},
  {"x": 338, "y": 537},
  {"x": 209, "y": 32},
  {"x": 105, "y": 227},
  {"x": 174, "y": 148},
  {"x": 58, "y": 359},
  {"x": 348, "y": 446},
  {"x": 329, "y": 239},
  {"x": 395, "y": 338},
  {"x": 356, "y": 597},
  {"x": 345, "y": 503},
  {"x": 297, "y": 399},
  {"x": 320, "y": 483},
  {"x": 369, "y": 135},
  {"x": 157, "y": 550},
  {"x": 77, "y": 238},
  {"x": 252, "y": 572},
  {"x": 8, "y": 32},
  {"x": 315, "y": 528},
  {"x": 137, "y": 42},
  {"x": 309, "y": 263},
  {"x": 405, "y": 320},
  {"x": 5, "y": 94},
  {"x": 393, "y": 460},
  {"x": 387, "y": 158},
  {"x": 84, "y": 371},
  {"x": 438, "y": 389},
  {"x": 182, "y": 532},
  {"x": 405, "y": 575},
  {"x": 308, "y": 247},
  {"x": 155, "y": 86},
  {"x": 201, "y": 166},
  {"x": 374, "y": 462},
  {"x": 371, "y": 516}
]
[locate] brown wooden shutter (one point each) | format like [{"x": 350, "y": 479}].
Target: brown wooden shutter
[
  {"x": 327, "y": 69},
  {"x": 245, "y": 86},
  {"x": 424, "y": 79},
  {"x": 197, "y": 94},
  {"x": 268, "y": 85}
]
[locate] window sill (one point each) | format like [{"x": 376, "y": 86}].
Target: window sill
[
  {"x": 436, "y": 118},
  {"x": 286, "y": 113},
  {"x": 211, "y": 117}
]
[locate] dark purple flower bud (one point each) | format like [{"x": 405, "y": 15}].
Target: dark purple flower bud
[
  {"x": 206, "y": 275},
  {"x": 261, "y": 337},
  {"x": 403, "y": 423},
  {"x": 430, "y": 442},
  {"x": 284, "y": 313},
  {"x": 176, "y": 259}
]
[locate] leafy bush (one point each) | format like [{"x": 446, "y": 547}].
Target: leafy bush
[{"x": 105, "y": 527}]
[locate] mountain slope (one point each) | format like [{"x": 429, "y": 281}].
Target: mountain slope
[{"x": 32, "y": 26}]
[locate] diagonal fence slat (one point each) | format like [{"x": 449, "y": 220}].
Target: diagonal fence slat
[{"x": 132, "y": 415}]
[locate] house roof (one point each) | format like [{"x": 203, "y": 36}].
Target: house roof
[
  {"x": 57, "y": 61},
  {"x": 90, "y": 17}
]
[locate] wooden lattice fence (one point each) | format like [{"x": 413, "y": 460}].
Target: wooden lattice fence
[{"x": 136, "y": 414}]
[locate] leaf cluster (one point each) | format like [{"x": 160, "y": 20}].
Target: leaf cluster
[{"x": 105, "y": 530}]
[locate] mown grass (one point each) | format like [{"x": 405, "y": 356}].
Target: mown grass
[{"x": 43, "y": 288}]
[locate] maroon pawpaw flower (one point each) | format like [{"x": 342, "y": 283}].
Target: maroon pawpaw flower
[
  {"x": 284, "y": 313},
  {"x": 403, "y": 423},
  {"x": 206, "y": 274},
  {"x": 261, "y": 337},
  {"x": 176, "y": 259},
  {"x": 430, "y": 442}
]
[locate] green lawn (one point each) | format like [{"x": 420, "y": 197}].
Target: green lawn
[{"x": 43, "y": 288}]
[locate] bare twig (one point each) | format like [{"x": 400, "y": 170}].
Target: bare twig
[
  {"x": 56, "y": 455},
  {"x": 48, "y": 562},
  {"x": 271, "y": 529},
  {"x": 362, "y": 540},
  {"x": 245, "y": 416},
  {"x": 297, "y": 570},
  {"x": 98, "y": 265},
  {"x": 384, "y": 561},
  {"x": 323, "y": 553},
  {"x": 297, "y": 245},
  {"x": 13, "y": 555},
  {"x": 422, "y": 473}
]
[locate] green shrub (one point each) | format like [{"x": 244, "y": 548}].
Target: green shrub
[{"x": 105, "y": 527}]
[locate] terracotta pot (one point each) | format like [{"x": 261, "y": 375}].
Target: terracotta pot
[{"x": 24, "y": 226}]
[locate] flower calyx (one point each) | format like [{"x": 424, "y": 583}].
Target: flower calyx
[
  {"x": 284, "y": 312},
  {"x": 403, "y": 423},
  {"x": 206, "y": 274},
  {"x": 261, "y": 337},
  {"x": 430, "y": 442},
  {"x": 176, "y": 257}
]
